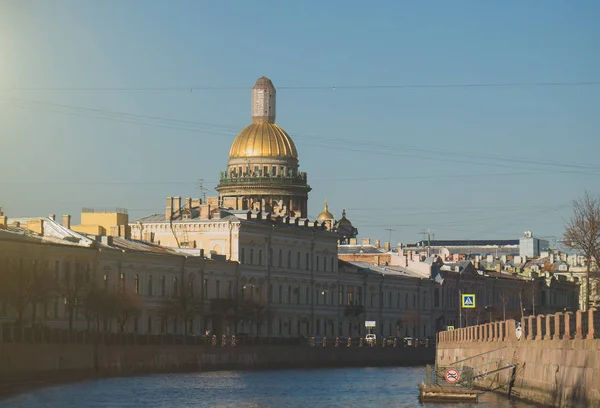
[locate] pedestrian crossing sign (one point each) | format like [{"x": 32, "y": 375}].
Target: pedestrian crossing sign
[{"x": 468, "y": 301}]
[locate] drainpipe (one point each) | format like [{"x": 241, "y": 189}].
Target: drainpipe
[{"x": 381, "y": 304}]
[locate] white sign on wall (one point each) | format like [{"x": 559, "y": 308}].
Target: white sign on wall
[{"x": 370, "y": 324}]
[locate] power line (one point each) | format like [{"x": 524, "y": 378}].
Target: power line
[
  {"x": 192, "y": 88},
  {"x": 339, "y": 143}
]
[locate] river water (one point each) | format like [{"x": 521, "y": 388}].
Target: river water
[{"x": 348, "y": 387}]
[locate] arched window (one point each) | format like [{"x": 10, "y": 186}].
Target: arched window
[
  {"x": 289, "y": 260},
  {"x": 260, "y": 256},
  {"x": 280, "y": 258},
  {"x": 251, "y": 256},
  {"x": 175, "y": 286},
  {"x": 317, "y": 262},
  {"x": 298, "y": 260},
  {"x": 307, "y": 261},
  {"x": 289, "y": 294},
  {"x": 136, "y": 284},
  {"x": 325, "y": 263},
  {"x": 163, "y": 286},
  {"x": 150, "y": 285}
]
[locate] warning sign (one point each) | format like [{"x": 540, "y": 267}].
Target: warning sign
[
  {"x": 468, "y": 301},
  {"x": 452, "y": 375}
]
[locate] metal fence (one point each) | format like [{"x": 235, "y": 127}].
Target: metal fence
[{"x": 43, "y": 335}]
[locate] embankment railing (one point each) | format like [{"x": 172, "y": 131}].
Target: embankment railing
[{"x": 579, "y": 325}]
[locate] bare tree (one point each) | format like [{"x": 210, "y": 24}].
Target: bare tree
[
  {"x": 126, "y": 306},
  {"x": 72, "y": 286},
  {"x": 16, "y": 284},
  {"x": 582, "y": 232},
  {"x": 183, "y": 302}
]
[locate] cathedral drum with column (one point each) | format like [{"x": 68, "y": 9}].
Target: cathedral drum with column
[{"x": 263, "y": 169}]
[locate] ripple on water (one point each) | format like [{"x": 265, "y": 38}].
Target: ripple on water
[{"x": 348, "y": 388}]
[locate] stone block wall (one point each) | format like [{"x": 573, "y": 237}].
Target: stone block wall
[{"x": 556, "y": 358}]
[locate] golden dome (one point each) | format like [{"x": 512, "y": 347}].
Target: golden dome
[
  {"x": 325, "y": 215},
  {"x": 263, "y": 140}
]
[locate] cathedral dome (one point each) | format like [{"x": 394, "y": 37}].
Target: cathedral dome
[
  {"x": 325, "y": 215},
  {"x": 263, "y": 140}
]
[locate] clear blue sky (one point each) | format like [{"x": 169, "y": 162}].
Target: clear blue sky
[{"x": 466, "y": 162}]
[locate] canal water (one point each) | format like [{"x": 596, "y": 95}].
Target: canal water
[{"x": 348, "y": 387}]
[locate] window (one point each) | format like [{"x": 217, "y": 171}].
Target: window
[
  {"x": 122, "y": 281},
  {"x": 57, "y": 270},
  {"x": 217, "y": 289},
  {"x": 270, "y": 256},
  {"x": 175, "y": 287},
  {"x": 150, "y": 285},
  {"x": 406, "y": 301},
  {"x": 136, "y": 284},
  {"x": 307, "y": 261},
  {"x": 341, "y": 295},
  {"x": 289, "y": 260},
  {"x": 149, "y": 325},
  {"x": 390, "y": 299},
  {"x": 205, "y": 288},
  {"x": 332, "y": 264},
  {"x": 280, "y": 327},
  {"x": 135, "y": 324},
  {"x": 88, "y": 273},
  {"x": 243, "y": 255},
  {"x": 317, "y": 262},
  {"x": 298, "y": 261},
  {"x": 67, "y": 272},
  {"x": 163, "y": 286},
  {"x": 372, "y": 298},
  {"x": 105, "y": 281},
  {"x": 191, "y": 284},
  {"x": 307, "y": 296},
  {"x": 270, "y": 293},
  {"x": 398, "y": 301},
  {"x": 436, "y": 298},
  {"x": 229, "y": 289},
  {"x": 260, "y": 256},
  {"x": 280, "y": 258},
  {"x": 414, "y": 301},
  {"x": 289, "y": 294},
  {"x": 325, "y": 263},
  {"x": 251, "y": 256},
  {"x": 280, "y": 295},
  {"x": 175, "y": 325}
]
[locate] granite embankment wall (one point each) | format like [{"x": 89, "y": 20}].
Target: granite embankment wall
[
  {"x": 26, "y": 365},
  {"x": 556, "y": 357}
]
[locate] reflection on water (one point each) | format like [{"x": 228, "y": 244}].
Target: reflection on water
[{"x": 348, "y": 387}]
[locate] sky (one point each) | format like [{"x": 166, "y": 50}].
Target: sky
[{"x": 469, "y": 119}]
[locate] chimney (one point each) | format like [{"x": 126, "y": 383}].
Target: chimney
[
  {"x": 52, "y": 217},
  {"x": 366, "y": 241},
  {"x": 352, "y": 241},
  {"x": 376, "y": 243},
  {"x": 176, "y": 204},
  {"x": 386, "y": 246},
  {"x": 66, "y": 221},
  {"x": 169, "y": 209},
  {"x": 188, "y": 203}
]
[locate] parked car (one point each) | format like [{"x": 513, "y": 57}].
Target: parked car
[{"x": 371, "y": 338}]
